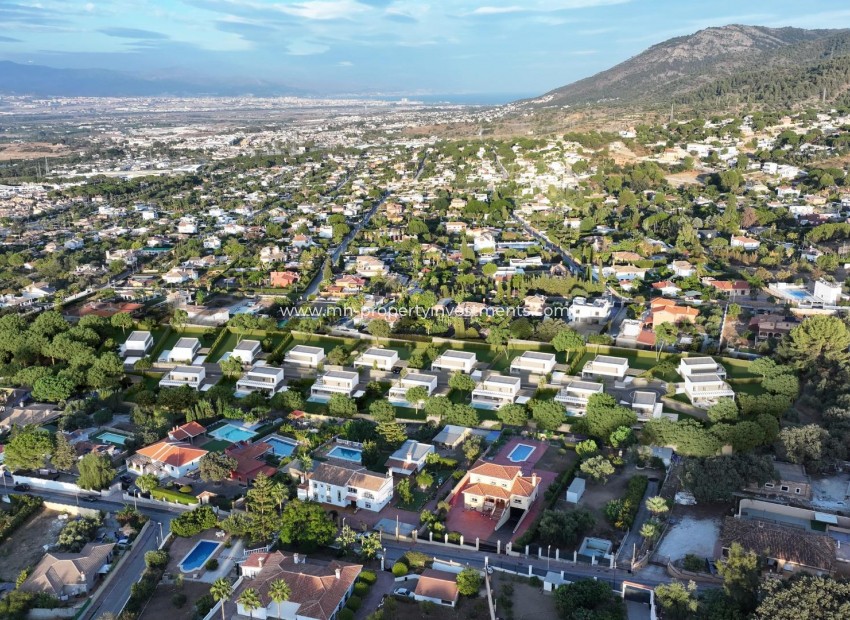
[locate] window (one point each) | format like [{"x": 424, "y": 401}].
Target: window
[
  {"x": 768, "y": 485},
  {"x": 784, "y": 488},
  {"x": 368, "y": 495},
  {"x": 517, "y": 501},
  {"x": 352, "y": 489},
  {"x": 368, "y": 505},
  {"x": 797, "y": 490}
]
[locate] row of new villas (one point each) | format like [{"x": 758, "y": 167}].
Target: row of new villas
[
  {"x": 704, "y": 380},
  {"x": 378, "y": 359},
  {"x": 533, "y": 362},
  {"x": 265, "y": 379},
  {"x": 495, "y": 391},
  {"x": 304, "y": 356},
  {"x": 334, "y": 382},
  {"x": 398, "y": 392}
]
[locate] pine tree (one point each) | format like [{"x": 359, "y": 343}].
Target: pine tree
[
  {"x": 64, "y": 456},
  {"x": 261, "y": 504}
]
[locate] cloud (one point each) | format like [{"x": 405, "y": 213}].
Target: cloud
[
  {"x": 498, "y": 10},
  {"x": 325, "y": 9},
  {"x": 345, "y": 63},
  {"x": 244, "y": 28},
  {"x": 306, "y": 48},
  {"x": 9, "y": 40},
  {"x": 133, "y": 33}
]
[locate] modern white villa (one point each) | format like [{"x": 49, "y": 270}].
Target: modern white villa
[
  {"x": 334, "y": 382},
  {"x": 704, "y": 381},
  {"x": 606, "y": 366},
  {"x": 583, "y": 311},
  {"x": 379, "y": 359},
  {"x": 266, "y": 379},
  {"x": 533, "y": 362},
  {"x": 398, "y": 392},
  {"x": 575, "y": 395},
  {"x": 495, "y": 391},
  {"x": 646, "y": 405},
  {"x": 138, "y": 343},
  {"x": 455, "y": 361},
  {"x": 344, "y": 486},
  {"x": 246, "y": 351},
  {"x": 691, "y": 366},
  {"x": 184, "y": 351},
  {"x": 193, "y": 376},
  {"x": 307, "y": 357}
]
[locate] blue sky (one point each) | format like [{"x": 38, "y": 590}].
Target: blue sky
[{"x": 392, "y": 46}]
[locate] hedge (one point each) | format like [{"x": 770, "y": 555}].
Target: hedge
[
  {"x": 194, "y": 522},
  {"x": 631, "y": 502},
  {"x": 345, "y": 614},
  {"x": 361, "y": 589},
  {"x": 354, "y": 602},
  {"x": 368, "y": 577},
  {"x": 400, "y": 569},
  {"x": 24, "y": 506}
]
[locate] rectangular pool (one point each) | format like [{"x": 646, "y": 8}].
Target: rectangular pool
[
  {"x": 346, "y": 454},
  {"x": 232, "y": 433},
  {"x": 520, "y": 453},
  {"x": 281, "y": 446},
  {"x": 199, "y": 555},
  {"x": 113, "y": 438}
]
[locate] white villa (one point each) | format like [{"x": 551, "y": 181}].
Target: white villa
[
  {"x": 302, "y": 355},
  {"x": 496, "y": 390},
  {"x": 267, "y": 379},
  {"x": 575, "y": 395},
  {"x": 398, "y": 392},
  {"x": 606, "y": 366},
  {"x": 193, "y": 376},
  {"x": 646, "y": 405},
  {"x": 409, "y": 458},
  {"x": 345, "y": 486},
  {"x": 584, "y": 311},
  {"x": 379, "y": 359},
  {"x": 184, "y": 350},
  {"x": 246, "y": 351},
  {"x": 138, "y": 343},
  {"x": 704, "y": 381},
  {"x": 453, "y": 361},
  {"x": 166, "y": 458},
  {"x": 534, "y": 362},
  {"x": 334, "y": 382}
]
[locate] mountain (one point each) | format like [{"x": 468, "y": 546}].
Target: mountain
[
  {"x": 733, "y": 62},
  {"x": 38, "y": 80}
]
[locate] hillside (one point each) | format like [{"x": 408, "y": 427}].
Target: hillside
[{"x": 721, "y": 64}]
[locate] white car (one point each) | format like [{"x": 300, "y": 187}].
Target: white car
[{"x": 403, "y": 592}]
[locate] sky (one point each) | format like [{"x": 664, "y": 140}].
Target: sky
[{"x": 516, "y": 47}]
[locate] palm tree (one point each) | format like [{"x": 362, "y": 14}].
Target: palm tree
[
  {"x": 221, "y": 591},
  {"x": 657, "y": 505},
  {"x": 279, "y": 591},
  {"x": 649, "y": 530},
  {"x": 250, "y": 600}
]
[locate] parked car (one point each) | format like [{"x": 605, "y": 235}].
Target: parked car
[
  {"x": 22, "y": 487},
  {"x": 404, "y": 592},
  {"x": 90, "y": 498}
]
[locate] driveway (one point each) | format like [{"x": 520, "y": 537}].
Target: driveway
[{"x": 384, "y": 585}]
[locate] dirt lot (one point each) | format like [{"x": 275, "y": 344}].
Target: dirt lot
[
  {"x": 556, "y": 462},
  {"x": 160, "y": 605},
  {"x": 467, "y": 609},
  {"x": 597, "y": 495},
  {"x": 529, "y": 602},
  {"x": 31, "y": 150},
  {"x": 25, "y": 547}
]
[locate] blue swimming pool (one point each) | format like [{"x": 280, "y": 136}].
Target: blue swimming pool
[
  {"x": 198, "y": 556},
  {"x": 281, "y": 446},
  {"x": 110, "y": 437},
  {"x": 232, "y": 433},
  {"x": 520, "y": 453},
  {"x": 347, "y": 454},
  {"x": 797, "y": 293}
]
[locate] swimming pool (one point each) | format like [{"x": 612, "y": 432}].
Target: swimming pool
[
  {"x": 797, "y": 293},
  {"x": 230, "y": 432},
  {"x": 113, "y": 438},
  {"x": 281, "y": 446},
  {"x": 199, "y": 555},
  {"x": 347, "y": 454},
  {"x": 520, "y": 453}
]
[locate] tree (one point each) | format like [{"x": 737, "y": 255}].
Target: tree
[
  {"x": 216, "y": 466},
  {"x": 740, "y": 571},
  {"x": 306, "y": 525},
  {"x": 649, "y": 530},
  {"x": 147, "y": 483},
  {"x": 665, "y": 335},
  {"x": 64, "y": 456},
  {"x": 231, "y": 367},
  {"x": 179, "y": 318},
  {"x": 342, "y": 406},
  {"x": 805, "y": 445},
  {"x": 621, "y": 436},
  {"x": 547, "y": 414},
  {"x": 424, "y": 480},
  {"x": 28, "y": 448},
  {"x": 379, "y": 328},
  {"x": 437, "y": 406},
  {"x": 221, "y": 592},
  {"x": 382, "y": 411},
  {"x": 279, "y": 592},
  {"x": 716, "y": 479},
  {"x": 724, "y": 410},
  {"x": 96, "y": 471},
  {"x": 605, "y": 415},
  {"x": 472, "y": 447},
  {"x": 785, "y": 384},
  {"x": 346, "y": 539},
  {"x": 260, "y": 504},
  {"x": 804, "y": 596},
  {"x": 416, "y": 396},
  {"x": 657, "y": 505},
  {"x": 53, "y": 389},
  {"x": 586, "y": 448},
  {"x": 564, "y": 528},
  {"x": 598, "y": 468},
  {"x": 818, "y": 344},
  {"x": 404, "y": 492},
  {"x": 370, "y": 546},
  {"x": 250, "y": 600},
  {"x": 194, "y": 521},
  {"x": 512, "y": 415},
  {"x": 122, "y": 321},
  {"x": 468, "y": 582},
  {"x": 392, "y": 433},
  {"x": 568, "y": 340},
  {"x": 588, "y": 599},
  {"x": 461, "y": 382},
  {"x": 461, "y": 415},
  {"x": 677, "y": 601}
]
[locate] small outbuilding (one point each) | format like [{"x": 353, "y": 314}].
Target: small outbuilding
[{"x": 576, "y": 490}]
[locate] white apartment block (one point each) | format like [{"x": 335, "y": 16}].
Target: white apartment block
[
  {"x": 596, "y": 311},
  {"x": 246, "y": 351},
  {"x": 193, "y": 376},
  {"x": 266, "y": 379},
  {"x": 184, "y": 350},
  {"x": 379, "y": 359},
  {"x": 302, "y": 355},
  {"x": 334, "y": 382},
  {"x": 576, "y": 394},
  {"x": 495, "y": 391},
  {"x": 533, "y": 362},
  {"x": 354, "y": 487},
  {"x": 606, "y": 366},
  {"x": 398, "y": 393},
  {"x": 455, "y": 361}
]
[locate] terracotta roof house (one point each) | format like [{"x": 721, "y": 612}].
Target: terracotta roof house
[
  {"x": 667, "y": 311},
  {"x": 187, "y": 432},
  {"x": 250, "y": 461},
  {"x": 496, "y": 489},
  {"x": 70, "y": 574},
  {"x": 318, "y": 591},
  {"x": 437, "y": 586},
  {"x": 166, "y": 458}
]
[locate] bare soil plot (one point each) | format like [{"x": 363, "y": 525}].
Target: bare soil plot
[
  {"x": 31, "y": 150},
  {"x": 529, "y": 602},
  {"x": 161, "y": 606},
  {"x": 25, "y": 547}
]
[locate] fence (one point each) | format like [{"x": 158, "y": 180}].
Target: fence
[{"x": 52, "y": 485}]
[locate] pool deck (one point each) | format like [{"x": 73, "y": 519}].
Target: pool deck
[
  {"x": 501, "y": 458},
  {"x": 180, "y": 547}
]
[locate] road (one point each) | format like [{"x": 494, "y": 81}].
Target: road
[{"x": 569, "y": 261}]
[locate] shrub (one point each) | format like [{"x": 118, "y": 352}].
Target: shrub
[
  {"x": 693, "y": 563},
  {"x": 203, "y": 605},
  {"x": 211, "y": 564},
  {"x": 400, "y": 569},
  {"x": 368, "y": 577},
  {"x": 157, "y": 558},
  {"x": 345, "y": 614},
  {"x": 535, "y": 581},
  {"x": 178, "y": 599},
  {"x": 185, "y": 489},
  {"x": 417, "y": 559},
  {"x": 361, "y": 589},
  {"x": 194, "y": 522},
  {"x": 354, "y": 602},
  {"x": 454, "y": 538}
]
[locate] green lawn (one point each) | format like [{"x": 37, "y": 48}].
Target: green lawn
[
  {"x": 326, "y": 342},
  {"x": 736, "y": 369},
  {"x": 753, "y": 388},
  {"x": 174, "y": 496},
  {"x": 420, "y": 498},
  {"x": 216, "y": 445}
]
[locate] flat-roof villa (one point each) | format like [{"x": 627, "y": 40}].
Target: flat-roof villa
[
  {"x": 576, "y": 394},
  {"x": 265, "y": 379},
  {"x": 455, "y": 361},
  {"x": 825, "y": 293},
  {"x": 596, "y": 311},
  {"x": 398, "y": 392},
  {"x": 193, "y": 376},
  {"x": 302, "y": 355},
  {"x": 184, "y": 350},
  {"x": 138, "y": 343},
  {"x": 495, "y": 391},
  {"x": 606, "y": 366},
  {"x": 379, "y": 359},
  {"x": 246, "y": 351},
  {"x": 334, "y": 382},
  {"x": 646, "y": 405},
  {"x": 534, "y": 362},
  {"x": 704, "y": 380}
]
